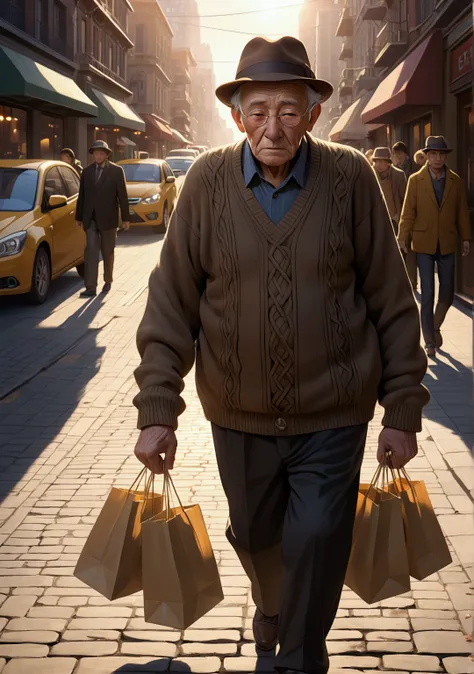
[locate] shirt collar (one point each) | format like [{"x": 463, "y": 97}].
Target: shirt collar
[
  {"x": 251, "y": 166},
  {"x": 434, "y": 177}
]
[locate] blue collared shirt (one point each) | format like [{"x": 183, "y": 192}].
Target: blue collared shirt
[
  {"x": 438, "y": 185},
  {"x": 276, "y": 201}
]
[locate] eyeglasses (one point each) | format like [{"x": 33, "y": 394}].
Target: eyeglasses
[{"x": 288, "y": 119}]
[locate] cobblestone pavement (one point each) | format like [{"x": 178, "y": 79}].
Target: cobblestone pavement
[{"x": 67, "y": 431}]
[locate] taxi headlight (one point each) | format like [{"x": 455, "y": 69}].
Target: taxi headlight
[
  {"x": 12, "y": 244},
  {"x": 152, "y": 200}
]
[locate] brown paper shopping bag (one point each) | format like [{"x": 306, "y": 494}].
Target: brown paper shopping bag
[
  {"x": 110, "y": 561},
  {"x": 180, "y": 578},
  {"x": 378, "y": 565},
  {"x": 426, "y": 545}
]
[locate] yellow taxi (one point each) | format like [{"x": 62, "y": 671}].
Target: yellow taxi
[
  {"x": 39, "y": 239},
  {"x": 152, "y": 193}
]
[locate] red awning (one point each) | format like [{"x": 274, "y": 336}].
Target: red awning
[
  {"x": 416, "y": 81},
  {"x": 349, "y": 127},
  {"x": 179, "y": 138},
  {"x": 160, "y": 130}
]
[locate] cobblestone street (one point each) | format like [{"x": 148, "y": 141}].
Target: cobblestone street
[{"x": 67, "y": 433}]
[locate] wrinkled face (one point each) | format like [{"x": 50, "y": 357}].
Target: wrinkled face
[
  {"x": 65, "y": 156},
  {"x": 436, "y": 159},
  {"x": 100, "y": 156},
  {"x": 381, "y": 165},
  {"x": 272, "y": 141},
  {"x": 399, "y": 158}
]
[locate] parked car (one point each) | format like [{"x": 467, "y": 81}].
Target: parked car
[
  {"x": 39, "y": 238},
  {"x": 180, "y": 165},
  {"x": 151, "y": 192},
  {"x": 200, "y": 148},
  {"x": 185, "y": 152}
]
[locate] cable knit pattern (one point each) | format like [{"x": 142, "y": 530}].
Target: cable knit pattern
[
  {"x": 300, "y": 326},
  {"x": 216, "y": 177},
  {"x": 282, "y": 329}
]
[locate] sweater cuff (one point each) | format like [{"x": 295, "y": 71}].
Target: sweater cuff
[
  {"x": 403, "y": 418},
  {"x": 158, "y": 406}
]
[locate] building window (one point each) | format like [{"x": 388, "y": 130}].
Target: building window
[
  {"x": 51, "y": 136},
  {"x": 41, "y": 30},
  {"x": 59, "y": 20},
  {"x": 419, "y": 132},
  {"x": 424, "y": 10},
  {"x": 140, "y": 38},
  {"x": 111, "y": 57},
  {"x": 13, "y": 123},
  {"x": 84, "y": 36}
]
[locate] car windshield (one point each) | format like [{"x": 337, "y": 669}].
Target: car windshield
[
  {"x": 180, "y": 164},
  {"x": 182, "y": 153},
  {"x": 142, "y": 173},
  {"x": 17, "y": 189}
]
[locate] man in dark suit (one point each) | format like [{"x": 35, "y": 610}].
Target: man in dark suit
[{"x": 102, "y": 190}]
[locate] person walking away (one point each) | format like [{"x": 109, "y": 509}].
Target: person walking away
[
  {"x": 435, "y": 216},
  {"x": 68, "y": 156},
  {"x": 419, "y": 158},
  {"x": 281, "y": 276},
  {"x": 392, "y": 182},
  {"x": 102, "y": 190},
  {"x": 401, "y": 158}
]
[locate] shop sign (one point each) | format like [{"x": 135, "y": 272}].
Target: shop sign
[{"x": 462, "y": 59}]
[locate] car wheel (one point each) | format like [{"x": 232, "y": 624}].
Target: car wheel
[
  {"x": 81, "y": 269},
  {"x": 41, "y": 277},
  {"x": 161, "y": 229}
]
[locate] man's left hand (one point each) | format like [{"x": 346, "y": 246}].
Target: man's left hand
[
  {"x": 401, "y": 445},
  {"x": 125, "y": 226},
  {"x": 466, "y": 248}
]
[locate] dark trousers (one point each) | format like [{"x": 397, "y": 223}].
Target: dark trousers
[
  {"x": 410, "y": 263},
  {"x": 98, "y": 242},
  {"x": 292, "y": 504},
  {"x": 430, "y": 322}
]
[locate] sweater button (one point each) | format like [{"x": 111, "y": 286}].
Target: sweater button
[{"x": 280, "y": 424}]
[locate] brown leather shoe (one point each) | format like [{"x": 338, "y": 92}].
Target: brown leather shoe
[{"x": 265, "y": 631}]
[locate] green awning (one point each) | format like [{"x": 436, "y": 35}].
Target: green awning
[
  {"x": 21, "y": 77},
  {"x": 113, "y": 112}
]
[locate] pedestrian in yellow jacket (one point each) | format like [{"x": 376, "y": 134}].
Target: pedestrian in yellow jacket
[{"x": 435, "y": 216}]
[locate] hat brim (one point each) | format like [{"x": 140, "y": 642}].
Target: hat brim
[
  {"x": 374, "y": 158},
  {"x": 103, "y": 149},
  {"x": 447, "y": 150},
  {"x": 225, "y": 91}
]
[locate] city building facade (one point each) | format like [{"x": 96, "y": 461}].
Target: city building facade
[
  {"x": 149, "y": 72},
  {"x": 183, "y": 62},
  {"x": 40, "y": 103}
]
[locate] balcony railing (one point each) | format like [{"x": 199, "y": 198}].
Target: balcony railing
[
  {"x": 89, "y": 60},
  {"x": 10, "y": 13},
  {"x": 373, "y": 10},
  {"x": 345, "y": 26},
  {"x": 390, "y": 45},
  {"x": 347, "y": 50}
]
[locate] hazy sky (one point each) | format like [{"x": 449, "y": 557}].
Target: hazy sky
[{"x": 226, "y": 47}]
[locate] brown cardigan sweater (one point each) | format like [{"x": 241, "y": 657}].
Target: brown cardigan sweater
[{"x": 296, "y": 327}]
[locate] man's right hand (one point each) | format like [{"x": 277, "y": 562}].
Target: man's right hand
[
  {"x": 403, "y": 247},
  {"x": 152, "y": 443},
  {"x": 79, "y": 224}
]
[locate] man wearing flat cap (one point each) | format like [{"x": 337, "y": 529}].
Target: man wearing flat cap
[
  {"x": 435, "y": 218},
  {"x": 280, "y": 276}
]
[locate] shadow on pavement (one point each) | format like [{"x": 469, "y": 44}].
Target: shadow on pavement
[
  {"x": 35, "y": 413},
  {"x": 160, "y": 665},
  {"x": 138, "y": 235},
  {"x": 450, "y": 384}
]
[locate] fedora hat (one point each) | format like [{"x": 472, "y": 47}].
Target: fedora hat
[
  {"x": 436, "y": 143},
  {"x": 100, "y": 145},
  {"x": 283, "y": 60},
  {"x": 382, "y": 153}
]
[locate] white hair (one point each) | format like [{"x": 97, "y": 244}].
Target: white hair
[{"x": 314, "y": 98}]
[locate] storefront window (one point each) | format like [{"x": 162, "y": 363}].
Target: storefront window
[
  {"x": 51, "y": 137},
  {"x": 419, "y": 132},
  {"x": 12, "y": 133}
]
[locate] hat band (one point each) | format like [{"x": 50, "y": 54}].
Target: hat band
[{"x": 276, "y": 67}]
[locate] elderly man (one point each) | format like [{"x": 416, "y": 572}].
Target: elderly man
[
  {"x": 435, "y": 217},
  {"x": 392, "y": 182},
  {"x": 281, "y": 276}
]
